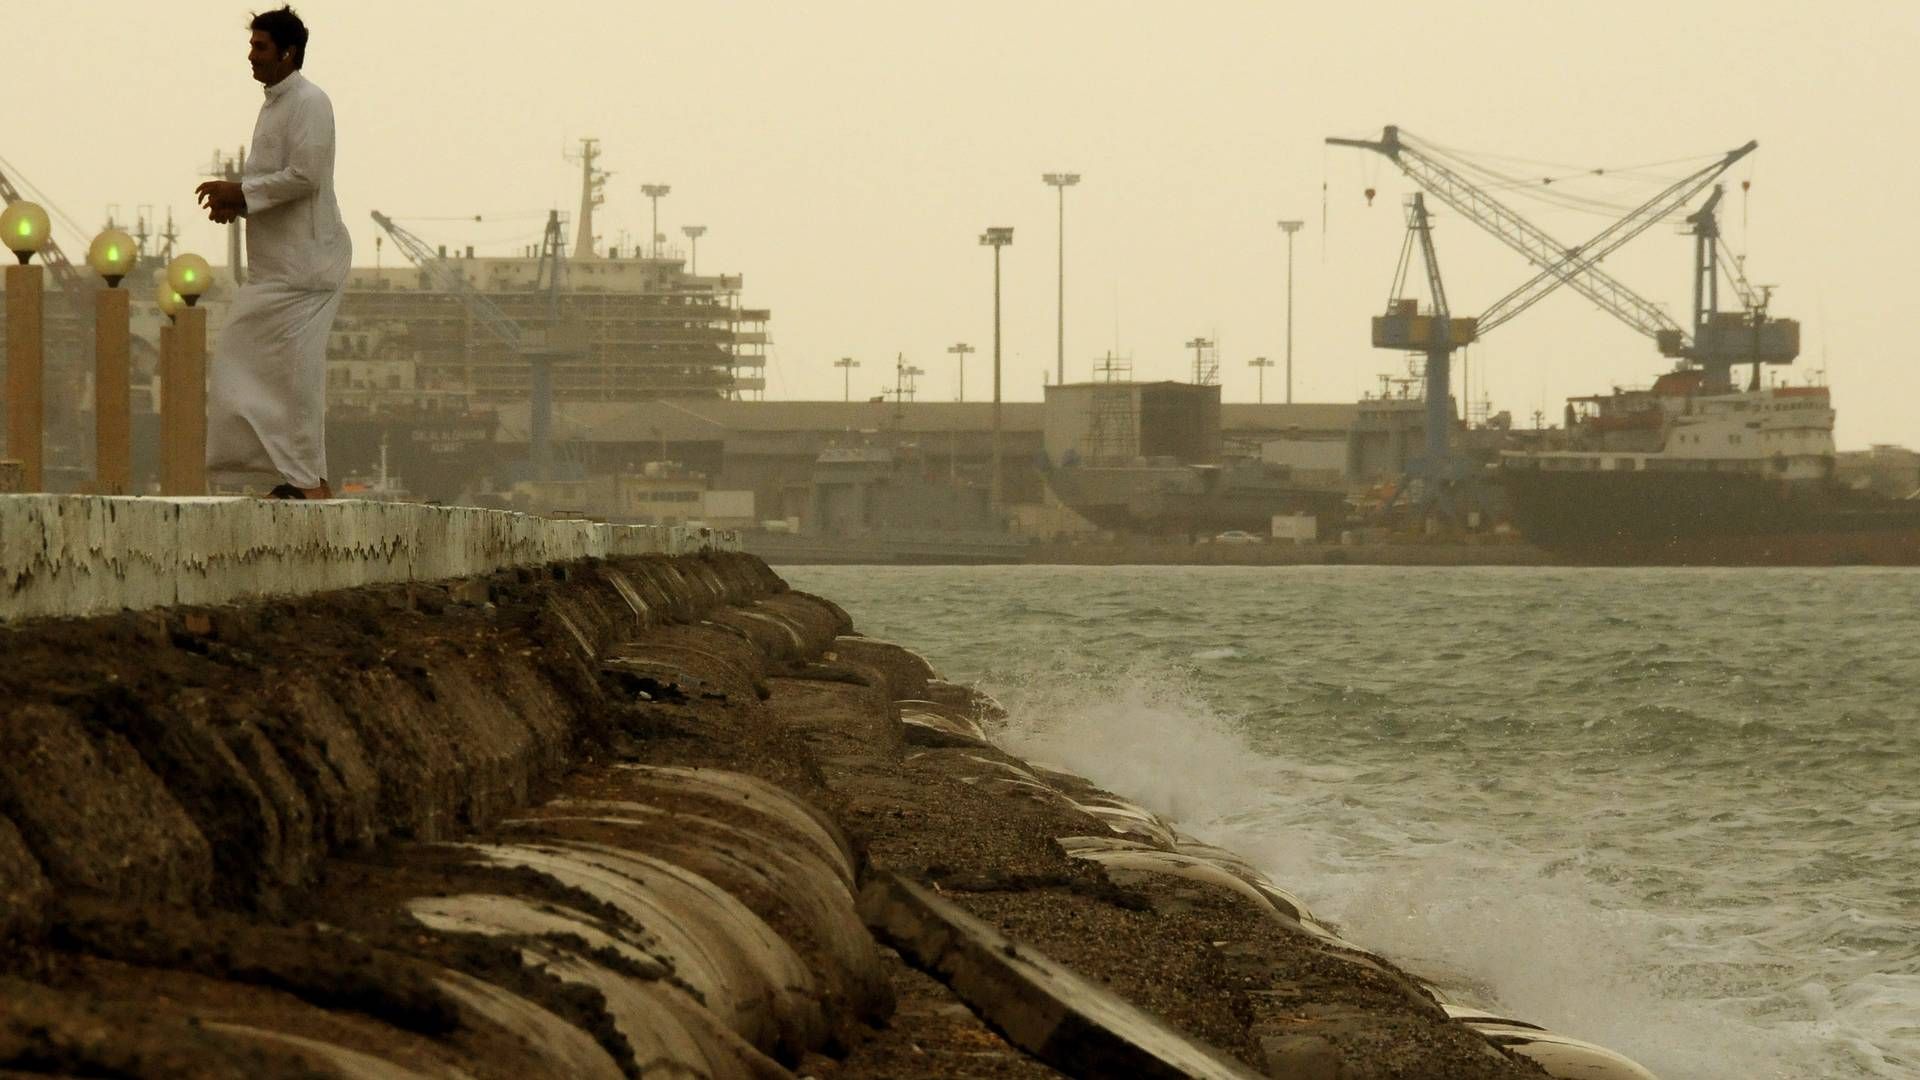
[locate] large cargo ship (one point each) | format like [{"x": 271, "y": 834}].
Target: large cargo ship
[
  {"x": 1682, "y": 475},
  {"x": 415, "y": 372}
]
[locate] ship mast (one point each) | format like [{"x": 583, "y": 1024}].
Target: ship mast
[{"x": 593, "y": 181}]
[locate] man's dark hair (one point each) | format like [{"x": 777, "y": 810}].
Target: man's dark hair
[{"x": 283, "y": 25}]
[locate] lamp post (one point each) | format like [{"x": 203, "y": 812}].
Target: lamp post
[
  {"x": 111, "y": 255},
  {"x": 188, "y": 276},
  {"x": 996, "y": 237},
  {"x": 23, "y": 227},
  {"x": 656, "y": 192},
  {"x": 694, "y": 233},
  {"x": 846, "y": 364},
  {"x": 904, "y": 385},
  {"x": 1290, "y": 227},
  {"x": 1263, "y": 364},
  {"x": 960, "y": 351},
  {"x": 1199, "y": 346},
  {"x": 1060, "y": 183}
]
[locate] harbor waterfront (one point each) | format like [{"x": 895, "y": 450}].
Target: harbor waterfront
[
  {"x": 1668, "y": 811},
  {"x": 361, "y": 788},
  {"x": 546, "y": 576}
]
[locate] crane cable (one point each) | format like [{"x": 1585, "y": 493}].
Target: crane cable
[{"x": 1539, "y": 189}]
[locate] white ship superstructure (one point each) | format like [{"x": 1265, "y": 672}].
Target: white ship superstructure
[{"x": 1778, "y": 432}]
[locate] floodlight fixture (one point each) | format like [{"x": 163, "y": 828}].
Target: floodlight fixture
[
  {"x": 190, "y": 276},
  {"x": 23, "y": 227},
  {"x": 111, "y": 255}
]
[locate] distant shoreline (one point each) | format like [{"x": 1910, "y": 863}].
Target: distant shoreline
[
  {"x": 848, "y": 552},
  {"x": 1283, "y": 554},
  {"x": 867, "y": 552}
]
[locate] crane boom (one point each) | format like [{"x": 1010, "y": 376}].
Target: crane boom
[
  {"x": 484, "y": 311},
  {"x": 1506, "y": 225},
  {"x": 1583, "y": 258}
]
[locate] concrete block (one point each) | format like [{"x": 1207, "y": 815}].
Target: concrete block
[
  {"x": 786, "y": 883},
  {"x": 324, "y": 1058},
  {"x": 59, "y": 554},
  {"x": 1304, "y": 1057},
  {"x": 566, "y": 1050},
  {"x": 1557, "y": 1055},
  {"x": 745, "y": 973},
  {"x": 669, "y": 1032},
  {"x": 1039, "y": 1005},
  {"x": 23, "y": 888},
  {"x": 925, "y": 727},
  {"x": 94, "y": 815},
  {"x": 749, "y": 794}
]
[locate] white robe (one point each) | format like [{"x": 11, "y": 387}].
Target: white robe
[{"x": 267, "y": 385}]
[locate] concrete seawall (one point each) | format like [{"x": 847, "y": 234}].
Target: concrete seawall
[
  {"x": 569, "y": 809},
  {"x": 66, "y": 556}
]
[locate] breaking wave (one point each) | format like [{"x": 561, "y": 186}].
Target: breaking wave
[{"x": 1684, "y": 832}]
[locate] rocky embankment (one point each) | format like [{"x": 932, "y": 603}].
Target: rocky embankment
[{"x": 640, "y": 816}]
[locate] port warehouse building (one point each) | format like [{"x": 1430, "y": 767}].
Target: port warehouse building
[{"x": 772, "y": 448}]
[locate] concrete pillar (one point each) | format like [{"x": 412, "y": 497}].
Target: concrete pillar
[
  {"x": 26, "y": 369},
  {"x": 189, "y": 398},
  {"x": 168, "y": 411},
  {"x": 112, "y": 407}
]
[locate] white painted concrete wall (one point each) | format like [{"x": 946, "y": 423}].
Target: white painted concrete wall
[{"x": 69, "y": 555}]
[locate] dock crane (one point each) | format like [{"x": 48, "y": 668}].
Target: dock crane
[
  {"x": 539, "y": 349},
  {"x": 1717, "y": 339},
  {"x": 1436, "y": 334},
  {"x": 1722, "y": 339}
]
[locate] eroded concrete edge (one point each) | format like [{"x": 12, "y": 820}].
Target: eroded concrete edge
[{"x": 69, "y": 556}]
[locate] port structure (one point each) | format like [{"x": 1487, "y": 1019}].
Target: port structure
[
  {"x": 1716, "y": 341},
  {"x": 538, "y": 349},
  {"x": 1442, "y": 476},
  {"x": 1111, "y": 438},
  {"x": 1722, "y": 339}
]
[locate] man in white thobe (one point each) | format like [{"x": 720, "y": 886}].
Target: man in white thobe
[{"x": 267, "y": 390}]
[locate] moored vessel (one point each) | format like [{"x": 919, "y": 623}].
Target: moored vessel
[{"x": 1686, "y": 473}]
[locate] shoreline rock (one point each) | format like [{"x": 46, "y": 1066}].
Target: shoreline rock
[{"x": 602, "y": 817}]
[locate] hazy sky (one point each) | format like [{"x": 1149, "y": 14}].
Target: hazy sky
[{"x": 845, "y": 158}]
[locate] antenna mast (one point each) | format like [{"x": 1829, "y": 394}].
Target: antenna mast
[{"x": 593, "y": 182}]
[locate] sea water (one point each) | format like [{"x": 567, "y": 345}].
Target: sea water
[{"x": 1674, "y": 812}]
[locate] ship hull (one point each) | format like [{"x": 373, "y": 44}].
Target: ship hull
[
  {"x": 439, "y": 456},
  {"x": 1661, "y": 518},
  {"x": 1182, "y": 501}
]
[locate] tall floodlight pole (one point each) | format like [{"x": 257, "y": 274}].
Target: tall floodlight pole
[
  {"x": 960, "y": 352},
  {"x": 694, "y": 233},
  {"x": 1061, "y": 182},
  {"x": 846, "y": 364},
  {"x": 656, "y": 192},
  {"x": 1199, "y": 346},
  {"x": 1290, "y": 227},
  {"x": 996, "y": 238},
  {"x": 1262, "y": 363}
]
